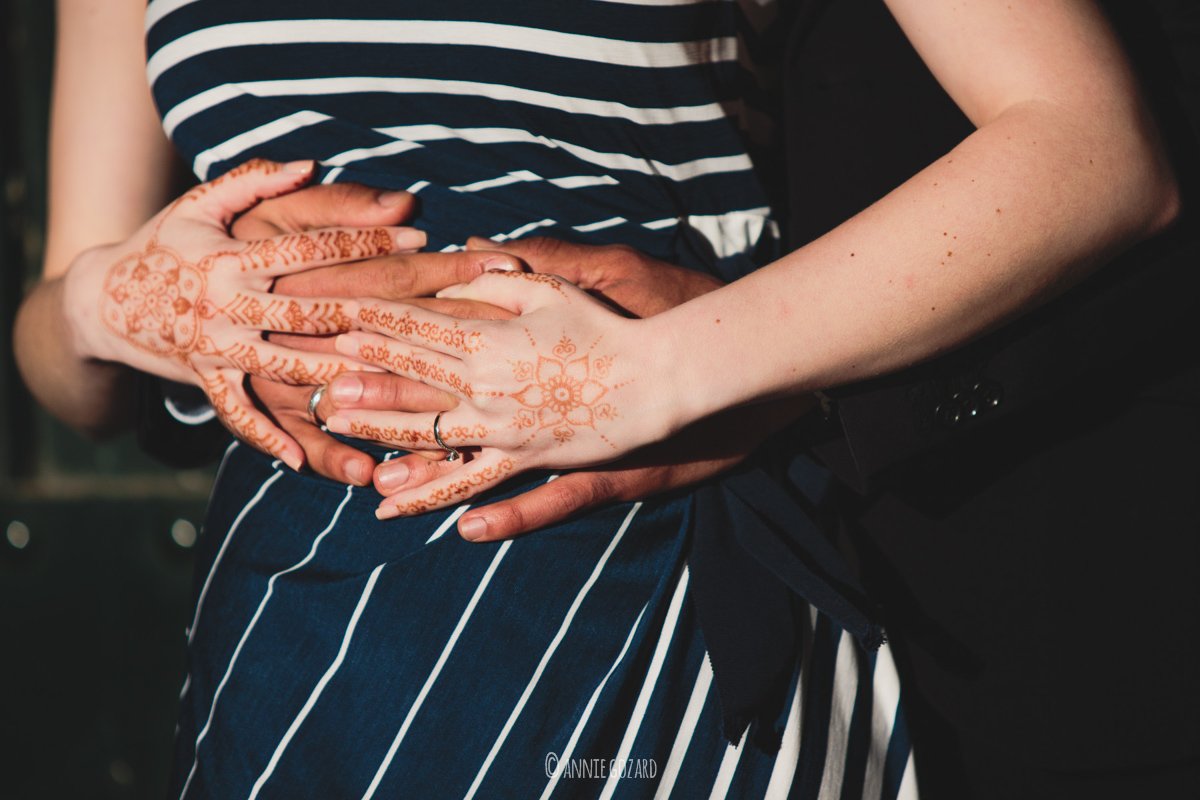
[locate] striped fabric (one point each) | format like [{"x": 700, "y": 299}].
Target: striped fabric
[{"x": 335, "y": 656}]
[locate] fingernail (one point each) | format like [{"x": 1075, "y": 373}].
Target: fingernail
[
  {"x": 346, "y": 345},
  {"x": 299, "y": 167},
  {"x": 472, "y": 528},
  {"x": 338, "y": 424},
  {"x": 387, "y": 512},
  {"x": 451, "y": 291},
  {"x": 392, "y": 199},
  {"x": 346, "y": 389},
  {"x": 499, "y": 264},
  {"x": 293, "y": 461},
  {"x": 410, "y": 239},
  {"x": 359, "y": 473},
  {"x": 393, "y": 476}
]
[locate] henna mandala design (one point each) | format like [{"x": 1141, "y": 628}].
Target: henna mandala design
[
  {"x": 408, "y": 364},
  {"x": 152, "y": 300},
  {"x": 459, "y": 489},
  {"x": 563, "y": 392},
  {"x": 405, "y": 325}
]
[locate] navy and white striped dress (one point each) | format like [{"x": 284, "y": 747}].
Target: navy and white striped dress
[{"x": 335, "y": 656}]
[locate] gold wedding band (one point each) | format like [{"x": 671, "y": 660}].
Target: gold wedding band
[{"x": 451, "y": 453}]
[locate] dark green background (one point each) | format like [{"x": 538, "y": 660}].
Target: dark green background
[{"x": 93, "y": 607}]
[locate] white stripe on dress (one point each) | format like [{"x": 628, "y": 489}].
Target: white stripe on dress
[
  {"x": 601, "y": 225},
  {"x": 883, "y": 720},
  {"x": 437, "y": 669},
  {"x": 321, "y": 684},
  {"x": 161, "y": 8},
  {"x": 783, "y": 772},
  {"x": 561, "y": 44},
  {"x": 312, "y": 552},
  {"x": 564, "y": 757},
  {"x": 521, "y": 231},
  {"x": 908, "y": 786},
  {"x": 845, "y": 688},
  {"x": 448, "y": 522},
  {"x": 728, "y": 768},
  {"x": 687, "y": 729},
  {"x": 244, "y": 141},
  {"x": 665, "y": 635},
  {"x": 561, "y": 634},
  {"x": 191, "y": 631}
]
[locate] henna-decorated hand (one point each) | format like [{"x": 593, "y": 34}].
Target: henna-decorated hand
[
  {"x": 697, "y": 453},
  {"x": 183, "y": 300},
  {"x": 625, "y": 277},
  {"x": 569, "y": 383},
  {"x": 397, "y": 276}
]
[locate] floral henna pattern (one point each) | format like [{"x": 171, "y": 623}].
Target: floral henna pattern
[
  {"x": 408, "y": 364},
  {"x": 407, "y": 326},
  {"x": 458, "y": 490},
  {"x": 563, "y": 392},
  {"x": 409, "y": 438}
]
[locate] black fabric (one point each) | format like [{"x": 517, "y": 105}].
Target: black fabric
[
  {"x": 1036, "y": 561},
  {"x": 756, "y": 547}
]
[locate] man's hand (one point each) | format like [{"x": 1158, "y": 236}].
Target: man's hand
[
  {"x": 628, "y": 279},
  {"x": 642, "y": 286},
  {"x": 414, "y": 275},
  {"x": 697, "y": 453}
]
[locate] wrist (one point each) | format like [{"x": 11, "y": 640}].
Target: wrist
[
  {"x": 670, "y": 399},
  {"x": 79, "y": 293}
]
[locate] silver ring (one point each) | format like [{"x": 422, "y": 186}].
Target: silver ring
[
  {"x": 314, "y": 400},
  {"x": 451, "y": 453}
]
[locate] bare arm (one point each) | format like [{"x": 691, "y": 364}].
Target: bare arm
[
  {"x": 1064, "y": 170},
  {"x": 110, "y": 171}
]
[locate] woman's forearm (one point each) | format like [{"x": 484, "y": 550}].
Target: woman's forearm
[
  {"x": 1021, "y": 209},
  {"x": 93, "y": 396}
]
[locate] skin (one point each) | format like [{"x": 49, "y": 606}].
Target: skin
[
  {"x": 1064, "y": 170},
  {"x": 110, "y": 172},
  {"x": 1042, "y": 80}
]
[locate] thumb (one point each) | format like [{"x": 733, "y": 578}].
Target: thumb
[
  {"x": 543, "y": 254},
  {"x": 245, "y": 186},
  {"x": 324, "y": 206}
]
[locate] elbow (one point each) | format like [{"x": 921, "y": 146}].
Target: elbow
[{"x": 1165, "y": 206}]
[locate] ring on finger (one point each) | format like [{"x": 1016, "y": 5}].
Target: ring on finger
[
  {"x": 451, "y": 453},
  {"x": 314, "y": 400}
]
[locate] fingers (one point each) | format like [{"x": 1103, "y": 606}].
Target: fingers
[
  {"x": 580, "y": 264},
  {"x": 295, "y": 252},
  {"x": 244, "y": 186},
  {"x": 382, "y": 392},
  {"x": 419, "y": 327},
  {"x": 323, "y": 206},
  {"x": 406, "y": 431},
  {"x": 545, "y": 505},
  {"x": 518, "y": 292},
  {"x": 263, "y": 311},
  {"x": 236, "y": 411},
  {"x": 418, "y": 363},
  {"x": 324, "y": 454},
  {"x": 462, "y": 309},
  {"x": 409, "y": 471},
  {"x": 274, "y": 362},
  {"x": 396, "y": 277},
  {"x": 467, "y": 480}
]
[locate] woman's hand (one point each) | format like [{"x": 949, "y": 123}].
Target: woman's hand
[
  {"x": 566, "y": 384},
  {"x": 184, "y": 300}
]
